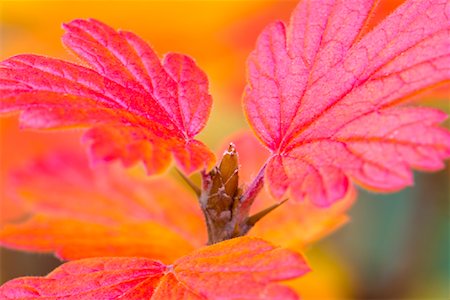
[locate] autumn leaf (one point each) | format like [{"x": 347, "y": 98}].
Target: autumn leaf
[
  {"x": 323, "y": 99},
  {"x": 241, "y": 268},
  {"x": 137, "y": 107},
  {"x": 79, "y": 212},
  {"x": 105, "y": 211}
]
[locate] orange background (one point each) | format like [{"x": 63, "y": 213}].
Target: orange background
[{"x": 360, "y": 261}]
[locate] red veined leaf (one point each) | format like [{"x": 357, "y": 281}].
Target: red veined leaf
[
  {"x": 322, "y": 98},
  {"x": 241, "y": 268},
  {"x": 139, "y": 108},
  {"x": 79, "y": 212}
]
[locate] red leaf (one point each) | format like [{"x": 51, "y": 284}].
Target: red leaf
[
  {"x": 242, "y": 268},
  {"x": 322, "y": 99},
  {"x": 79, "y": 212},
  {"x": 140, "y": 108}
]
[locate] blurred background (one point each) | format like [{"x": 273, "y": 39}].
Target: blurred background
[{"x": 395, "y": 246}]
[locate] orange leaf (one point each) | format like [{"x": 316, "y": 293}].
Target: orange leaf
[
  {"x": 139, "y": 108},
  {"x": 72, "y": 239},
  {"x": 80, "y": 212},
  {"x": 17, "y": 146},
  {"x": 241, "y": 268},
  {"x": 322, "y": 98}
]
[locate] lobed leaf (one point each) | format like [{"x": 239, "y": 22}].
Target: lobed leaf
[
  {"x": 137, "y": 107},
  {"x": 322, "y": 98},
  {"x": 242, "y": 268},
  {"x": 79, "y": 212}
]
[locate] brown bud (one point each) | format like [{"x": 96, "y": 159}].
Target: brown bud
[
  {"x": 221, "y": 197},
  {"x": 225, "y": 206},
  {"x": 224, "y": 182},
  {"x": 228, "y": 169}
]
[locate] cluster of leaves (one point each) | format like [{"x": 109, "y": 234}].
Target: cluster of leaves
[{"x": 322, "y": 97}]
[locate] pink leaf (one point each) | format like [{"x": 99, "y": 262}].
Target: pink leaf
[
  {"x": 323, "y": 99},
  {"x": 140, "y": 108}
]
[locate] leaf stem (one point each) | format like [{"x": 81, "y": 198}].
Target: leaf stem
[
  {"x": 259, "y": 215},
  {"x": 189, "y": 182},
  {"x": 252, "y": 191}
]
